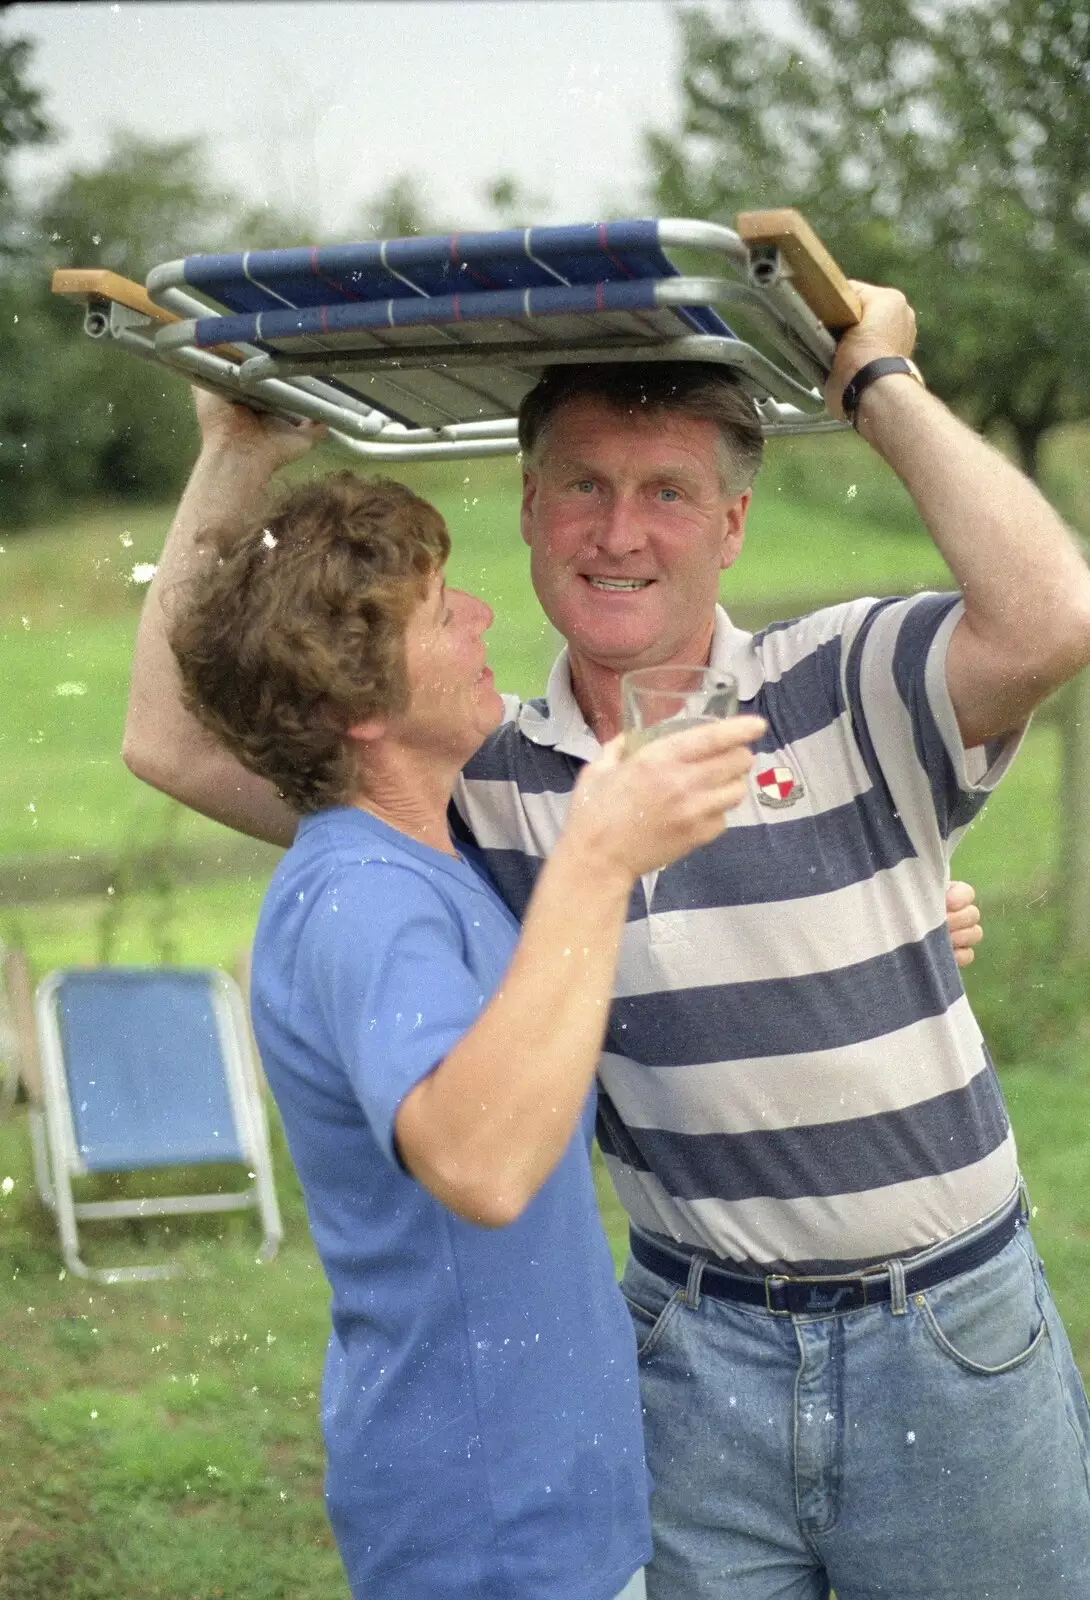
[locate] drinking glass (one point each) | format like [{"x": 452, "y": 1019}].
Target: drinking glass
[{"x": 661, "y": 700}]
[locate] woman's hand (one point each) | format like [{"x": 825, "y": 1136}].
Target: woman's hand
[
  {"x": 963, "y": 921},
  {"x": 264, "y": 442},
  {"x": 645, "y": 810}
]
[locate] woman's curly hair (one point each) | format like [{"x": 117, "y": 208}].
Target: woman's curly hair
[{"x": 294, "y": 628}]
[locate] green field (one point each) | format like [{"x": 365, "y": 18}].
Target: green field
[{"x": 160, "y": 1440}]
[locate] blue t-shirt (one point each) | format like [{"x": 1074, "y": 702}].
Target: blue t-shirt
[{"x": 480, "y": 1402}]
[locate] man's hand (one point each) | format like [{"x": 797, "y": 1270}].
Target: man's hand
[
  {"x": 963, "y": 921},
  {"x": 886, "y": 328}
]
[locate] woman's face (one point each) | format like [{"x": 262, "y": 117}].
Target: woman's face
[{"x": 454, "y": 705}]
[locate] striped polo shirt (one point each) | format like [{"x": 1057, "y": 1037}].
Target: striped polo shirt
[{"x": 792, "y": 1077}]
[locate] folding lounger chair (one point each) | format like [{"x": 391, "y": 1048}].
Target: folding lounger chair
[
  {"x": 423, "y": 347},
  {"x": 145, "y": 1068}
]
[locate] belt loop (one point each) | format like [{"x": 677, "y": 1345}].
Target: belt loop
[
  {"x": 692, "y": 1284},
  {"x": 1025, "y": 1204},
  {"x": 898, "y": 1302}
]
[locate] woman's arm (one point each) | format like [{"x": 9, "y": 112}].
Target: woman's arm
[
  {"x": 163, "y": 744},
  {"x": 485, "y": 1129}
]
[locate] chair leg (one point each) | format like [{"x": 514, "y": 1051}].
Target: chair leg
[
  {"x": 39, "y": 1155},
  {"x": 65, "y": 1211},
  {"x": 267, "y": 1205}
]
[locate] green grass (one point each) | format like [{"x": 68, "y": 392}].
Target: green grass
[
  {"x": 1014, "y": 840},
  {"x": 161, "y": 1439}
]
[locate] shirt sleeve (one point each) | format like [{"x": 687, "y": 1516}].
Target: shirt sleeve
[
  {"x": 384, "y": 960},
  {"x": 905, "y": 724}
]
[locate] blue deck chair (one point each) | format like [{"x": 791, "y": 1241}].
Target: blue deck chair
[
  {"x": 145, "y": 1068},
  {"x": 423, "y": 347}
]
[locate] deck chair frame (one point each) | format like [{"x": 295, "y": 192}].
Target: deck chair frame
[
  {"x": 58, "y": 1159},
  {"x": 341, "y": 363}
]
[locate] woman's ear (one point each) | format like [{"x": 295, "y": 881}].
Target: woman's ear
[{"x": 368, "y": 731}]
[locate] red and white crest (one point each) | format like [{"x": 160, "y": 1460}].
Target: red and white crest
[{"x": 778, "y": 786}]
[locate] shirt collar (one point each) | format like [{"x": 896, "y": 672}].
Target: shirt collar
[{"x": 558, "y": 722}]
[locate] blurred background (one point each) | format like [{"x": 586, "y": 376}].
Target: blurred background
[{"x": 162, "y": 1439}]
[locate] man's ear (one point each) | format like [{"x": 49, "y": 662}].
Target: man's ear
[
  {"x": 529, "y": 502},
  {"x": 734, "y": 529}
]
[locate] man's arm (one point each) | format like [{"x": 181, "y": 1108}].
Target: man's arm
[
  {"x": 1026, "y": 586},
  {"x": 163, "y": 744}
]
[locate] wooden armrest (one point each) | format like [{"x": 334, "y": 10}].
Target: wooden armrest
[
  {"x": 814, "y": 273},
  {"x": 97, "y": 283}
]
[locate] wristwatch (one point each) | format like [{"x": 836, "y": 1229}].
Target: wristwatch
[{"x": 868, "y": 374}]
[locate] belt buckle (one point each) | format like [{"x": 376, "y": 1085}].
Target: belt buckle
[
  {"x": 816, "y": 1301},
  {"x": 777, "y": 1281}
]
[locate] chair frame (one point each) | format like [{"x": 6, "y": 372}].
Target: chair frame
[
  {"x": 774, "y": 268},
  {"x": 57, "y": 1160}
]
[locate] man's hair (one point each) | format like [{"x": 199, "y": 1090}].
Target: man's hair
[
  {"x": 692, "y": 388},
  {"x": 294, "y": 629}
]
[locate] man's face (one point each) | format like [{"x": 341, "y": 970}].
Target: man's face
[{"x": 629, "y": 530}]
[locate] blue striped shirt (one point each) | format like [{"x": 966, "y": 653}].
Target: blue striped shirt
[{"x": 792, "y": 1078}]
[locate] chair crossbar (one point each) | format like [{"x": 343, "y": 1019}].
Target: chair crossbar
[
  {"x": 439, "y": 311},
  {"x": 163, "y": 1206}
]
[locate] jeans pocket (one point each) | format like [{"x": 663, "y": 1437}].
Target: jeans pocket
[
  {"x": 652, "y": 1303},
  {"x": 989, "y": 1321}
]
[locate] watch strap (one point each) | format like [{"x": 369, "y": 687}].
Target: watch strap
[{"x": 883, "y": 367}]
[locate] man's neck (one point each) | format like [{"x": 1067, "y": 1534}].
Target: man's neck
[{"x": 597, "y": 688}]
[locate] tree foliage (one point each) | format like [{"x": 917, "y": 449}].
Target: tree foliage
[
  {"x": 941, "y": 145},
  {"x": 22, "y": 123},
  {"x": 148, "y": 201},
  {"x": 80, "y": 420}
]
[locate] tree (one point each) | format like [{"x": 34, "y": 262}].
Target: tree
[
  {"x": 148, "y": 201},
  {"x": 513, "y": 205},
  {"x": 396, "y": 212},
  {"x": 77, "y": 419},
  {"x": 22, "y": 123},
  {"x": 942, "y": 145}
]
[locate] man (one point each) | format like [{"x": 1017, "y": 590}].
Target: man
[{"x": 793, "y": 1086}]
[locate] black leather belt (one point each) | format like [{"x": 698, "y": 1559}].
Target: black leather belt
[{"x": 788, "y": 1296}]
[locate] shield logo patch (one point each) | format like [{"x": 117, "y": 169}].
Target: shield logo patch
[{"x": 778, "y": 786}]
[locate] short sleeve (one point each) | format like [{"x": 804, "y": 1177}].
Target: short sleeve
[
  {"x": 383, "y": 961},
  {"x": 896, "y": 690}
]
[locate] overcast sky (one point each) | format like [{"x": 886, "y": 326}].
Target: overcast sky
[{"x": 321, "y": 105}]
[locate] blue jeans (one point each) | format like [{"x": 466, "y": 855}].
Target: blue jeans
[{"x": 939, "y": 1450}]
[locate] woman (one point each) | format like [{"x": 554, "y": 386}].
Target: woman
[{"x": 432, "y": 1062}]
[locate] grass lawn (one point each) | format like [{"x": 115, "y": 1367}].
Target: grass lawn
[
  {"x": 160, "y": 1440},
  {"x": 161, "y": 1443}
]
